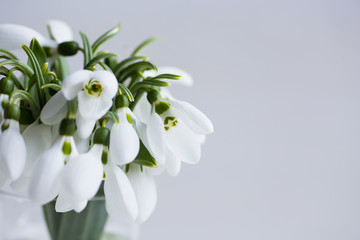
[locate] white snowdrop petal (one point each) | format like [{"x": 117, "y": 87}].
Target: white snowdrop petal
[
  {"x": 60, "y": 31},
  {"x": 12, "y": 36},
  {"x": 54, "y": 110},
  {"x": 42, "y": 134},
  {"x": 84, "y": 126},
  {"x": 108, "y": 82},
  {"x": 92, "y": 107},
  {"x": 145, "y": 191},
  {"x": 124, "y": 143},
  {"x": 155, "y": 136},
  {"x": 45, "y": 180},
  {"x": 140, "y": 128},
  {"x": 79, "y": 206},
  {"x": 184, "y": 143},
  {"x": 142, "y": 109},
  {"x": 192, "y": 117},
  {"x": 74, "y": 83},
  {"x": 173, "y": 163},
  {"x": 81, "y": 144},
  {"x": 120, "y": 197},
  {"x": 12, "y": 153},
  {"x": 82, "y": 175}
]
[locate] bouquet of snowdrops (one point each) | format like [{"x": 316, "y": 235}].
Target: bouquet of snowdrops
[{"x": 88, "y": 143}]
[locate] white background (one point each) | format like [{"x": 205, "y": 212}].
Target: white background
[{"x": 280, "y": 81}]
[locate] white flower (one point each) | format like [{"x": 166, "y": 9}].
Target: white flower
[
  {"x": 119, "y": 193},
  {"x": 144, "y": 187},
  {"x": 82, "y": 177},
  {"x": 12, "y": 36},
  {"x": 54, "y": 110},
  {"x": 183, "y": 129},
  {"x": 143, "y": 108},
  {"x": 12, "y": 152},
  {"x": 80, "y": 180},
  {"x": 42, "y": 134},
  {"x": 94, "y": 92},
  {"x": 45, "y": 181},
  {"x": 124, "y": 141}
]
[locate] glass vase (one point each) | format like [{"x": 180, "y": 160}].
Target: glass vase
[{"x": 21, "y": 219}]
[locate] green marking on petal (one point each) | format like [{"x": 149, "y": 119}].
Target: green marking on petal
[
  {"x": 161, "y": 107},
  {"x": 128, "y": 117},
  {"x": 169, "y": 122},
  {"x": 66, "y": 148},
  {"x": 93, "y": 88},
  {"x": 104, "y": 158},
  {"x": 5, "y": 126}
]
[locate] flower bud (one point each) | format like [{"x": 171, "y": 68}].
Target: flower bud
[
  {"x": 67, "y": 127},
  {"x": 12, "y": 111},
  {"x": 121, "y": 101},
  {"x": 68, "y": 48},
  {"x": 153, "y": 95},
  {"x": 6, "y": 86},
  {"x": 102, "y": 136}
]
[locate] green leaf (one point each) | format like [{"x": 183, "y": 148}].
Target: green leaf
[
  {"x": 106, "y": 36},
  {"x": 61, "y": 68},
  {"x": 149, "y": 83},
  {"x": 98, "y": 58},
  {"x": 166, "y": 76},
  {"x": 22, "y": 66},
  {"x": 126, "y": 91},
  {"x": 87, "y": 49},
  {"x": 143, "y": 44},
  {"x": 38, "y": 51},
  {"x": 4, "y": 71},
  {"x": 126, "y": 61},
  {"x": 105, "y": 66},
  {"x": 37, "y": 74},
  {"x": 28, "y": 98},
  {"x": 8, "y": 54},
  {"x": 144, "y": 157},
  {"x": 111, "y": 115},
  {"x": 54, "y": 86},
  {"x": 134, "y": 68},
  {"x": 50, "y": 32}
]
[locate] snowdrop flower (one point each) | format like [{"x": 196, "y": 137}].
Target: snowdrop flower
[
  {"x": 183, "y": 126},
  {"x": 42, "y": 134},
  {"x": 94, "y": 92},
  {"x": 45, "y": 180},
  {"x": 12, "y": 36},
  {"x": 143, "y": 109},
  {"x": 144, "y": 187},
  {"x": 82, "y": 177},
  {"x": 124, "y": 141},
  {"x": 80, "y": 180},
  {"x": 12, "y": 145}
]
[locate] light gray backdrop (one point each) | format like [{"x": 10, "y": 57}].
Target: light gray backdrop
[{"x": 280, "y": 81}]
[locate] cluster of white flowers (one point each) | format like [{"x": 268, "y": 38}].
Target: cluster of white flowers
[{"x": 84, "y": 134}]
